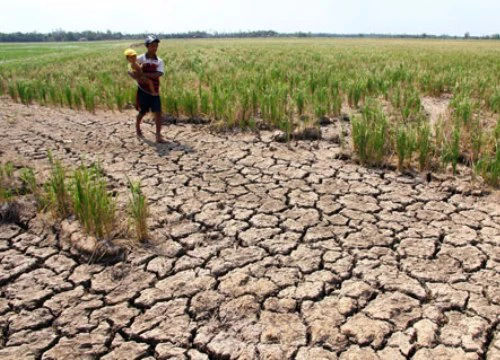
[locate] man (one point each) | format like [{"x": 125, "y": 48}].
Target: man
[{"x": 152, "y": 68}]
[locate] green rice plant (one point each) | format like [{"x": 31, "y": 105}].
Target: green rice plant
[
  {"x": 300, "y": 102},
  {"x": 451, "y": 150},
  {"x": 439, "y": 135},
  {"x": 244, "y": 107},
  {"x": 93, "y": 205},
  {"x": 7, "y": 170},
  {"x": 29, "y": 181},
  {"x": 119, "y": 98},
  {"x": 230, "y": 116},
  {"x": 411, "y": 106},
  {"x": 313, "y": 83},
  {"x": 25, "y": 92},
  {"x": 172, "y": 104},
  {"x": 496, "y": 132},
  {"x": 494, "y": 101},
  {"x": 3, "y": 86},
  {"x": 476, "y": 140},
  {"x": 12, "y": 90},
  {"x": 321, "y": 103},
  {"x": 462, "y": 106},
  {"x": 6, "y": 179},
  {"x": 274, "y": 106},
  {"x": 254, "y": 102},
  {"x": 335, "y": 101},
  {"x": 405, "y": 144},
  {"x": 396, "y": 100},
  {"x": 489, "y": 167},
  {"x": 53, "y": 95},
  {"x": 204, "y": 102},
  {"x": 107, "y": 99},
  {"x": 41, "y": 93},
  {"x": 57, "y": 189},
  {"x": 88, "y": 96},
  {"x": 77, "y": 100},
  {"x": 355, "y": 93},
  {"x": 68, "y": 96},
  {"x": 138, "y": 211},
  {"x": 369, "y": 133},
  {"x": 424, "y": 145},
  {"x": 218, "y": 102},
  {"x": 190, "y": 103}
]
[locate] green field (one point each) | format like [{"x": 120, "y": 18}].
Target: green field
[{"x": 289, "y": 83}]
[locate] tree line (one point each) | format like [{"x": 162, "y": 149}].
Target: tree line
[{"x": 61, "y": 35}]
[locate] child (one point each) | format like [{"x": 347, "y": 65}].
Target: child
[{"x": 136, "y": 69}]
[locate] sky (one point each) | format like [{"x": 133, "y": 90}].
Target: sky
[{"x": 452, "y": 17}]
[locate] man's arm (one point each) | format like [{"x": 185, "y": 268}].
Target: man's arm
[{"x": 153, "y": 75}]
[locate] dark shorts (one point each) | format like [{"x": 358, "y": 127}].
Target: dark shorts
[{"x": 146, "y": 102}]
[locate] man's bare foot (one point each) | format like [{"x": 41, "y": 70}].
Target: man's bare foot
[
  {"x": 139, "y": 133},
  {"x": 160, "y": 139}
]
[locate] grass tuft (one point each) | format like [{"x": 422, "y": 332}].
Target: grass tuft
[
  {"x": 92, "y": 203},
  {"x": 138, "y": 210}
]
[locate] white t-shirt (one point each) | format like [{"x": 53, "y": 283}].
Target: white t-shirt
[{"x": 151, "y": 65}]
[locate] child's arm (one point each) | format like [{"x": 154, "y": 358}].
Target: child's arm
[{"x": 137, "y": 68}]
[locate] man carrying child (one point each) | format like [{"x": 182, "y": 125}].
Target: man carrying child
[{"x": 152, "y": 68}]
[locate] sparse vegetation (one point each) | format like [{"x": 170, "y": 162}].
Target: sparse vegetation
[
  {"x": 369, "y": 134},
  {"x": 29, "y": 181},
  {"x": 92, "y": 203},
  {"x": 57, "y": 189},
  {"x": 6, "y": 179},
  {"x": 138, "y": 211}
]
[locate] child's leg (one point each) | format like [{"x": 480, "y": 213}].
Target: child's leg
[{"x": 152, "y": 87}]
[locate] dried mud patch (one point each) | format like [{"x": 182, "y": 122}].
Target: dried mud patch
[{"x": 259, "y": 250}]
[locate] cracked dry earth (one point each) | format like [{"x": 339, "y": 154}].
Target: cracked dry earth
[{"x": 265, "y": 252}]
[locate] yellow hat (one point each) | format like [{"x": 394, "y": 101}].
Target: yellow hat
[{"x": 129, "y": 52}]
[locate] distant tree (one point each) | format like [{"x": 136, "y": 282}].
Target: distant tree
[{"x": 467, "y": 35}]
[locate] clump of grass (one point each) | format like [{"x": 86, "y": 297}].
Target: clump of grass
[
  {"x": 489, "y": 167},
  {"x": 138, "y": 210},
  {"x": 423, "y": 145},
  {"x": 355, "y": 93},
  {"x": 451, "y": 150},
  {"x": 494, "y": 101},
  {"x": 11, "y": 87},
  {"x": 369, "y": 134},
  {"x": 300, "y": 102},
  {"x": 476, "y": 140},
  {"x": 120, "y": 98},
  {"x": 204, "y": 102},
  {"x": 6, "y": 177},
  {"x": 92, "y": 203},
  {"x": 29, "y": 181},
  {"x": 411, "y": 104},
  {"x": 25, "y": 92},
  {"x": 463, "y": 108},
  {"x": 405, "y": 144},
  {"x": 190, "y": 103},
  {"x": 57, "y": 189},
  {"x": 320, "y": 105},
  {"x": 88, "y": 96}
]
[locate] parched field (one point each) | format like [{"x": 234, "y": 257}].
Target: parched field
[
  {"x": 415, "y": 104},
  {"x": 259, "y": 249}
]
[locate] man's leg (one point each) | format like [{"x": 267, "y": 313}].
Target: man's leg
[
  {"x": 138, "y": 120},
  {"x": 159, "y": 138}
]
